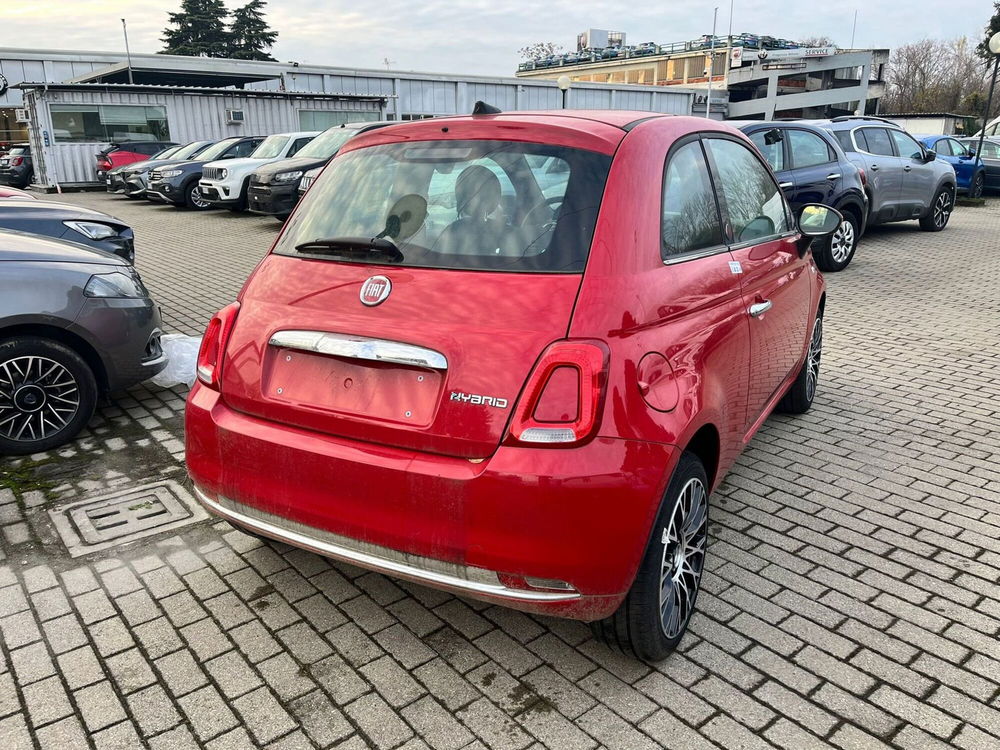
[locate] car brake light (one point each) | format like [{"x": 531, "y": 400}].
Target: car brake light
[
  {"x": 562, "y": 401},
  {"x": 213, "y": 345},
  {"x": 864, "y": 177},
  {"x": 17, "y": 161}
]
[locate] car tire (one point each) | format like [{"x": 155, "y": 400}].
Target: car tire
[
  {"x": 193, "y": 198},
  {"x": 940, "y": 211},
  {"x": 651, "y": 621},
  {"x": 51, "y": 391},
  {"x": 836, "y": 251},
  {"x": 978, "y": 183},
  {"x": 800, "y": 396}
]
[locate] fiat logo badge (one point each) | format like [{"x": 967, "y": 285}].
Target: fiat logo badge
[{"x": 375, "y": 290}]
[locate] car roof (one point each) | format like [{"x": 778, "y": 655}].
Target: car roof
[
  {"x": 298, "y": 133},
  {"x": 595, "y": 130}
]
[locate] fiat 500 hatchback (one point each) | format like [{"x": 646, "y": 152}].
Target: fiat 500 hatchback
[{"x": 510, "y": 356}]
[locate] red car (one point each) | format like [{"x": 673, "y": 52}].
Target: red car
[
  {"x": 118, "y": 155},
  {"x": 511, "y": 355},
  {"x": 12, "y": 192}
]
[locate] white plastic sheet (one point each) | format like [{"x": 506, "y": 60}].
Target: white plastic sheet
[{"x": 182, "y": 357}]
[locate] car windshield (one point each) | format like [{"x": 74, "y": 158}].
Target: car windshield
[
  {"x": 326, "y": 143},
  {"x": 18, "y": 151},
  {"x": 166, "y": 152},
  {"x": 271, "y": 147},
  {"x": 185, "y": 152},
  {"x": 481, "y": 205},
  {"x": 216, "y": 150}
]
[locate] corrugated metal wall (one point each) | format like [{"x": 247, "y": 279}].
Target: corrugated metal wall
[{"x": 189, "y": 117}]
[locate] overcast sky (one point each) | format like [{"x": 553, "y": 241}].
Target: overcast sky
[{"x": 483, "y": 36}]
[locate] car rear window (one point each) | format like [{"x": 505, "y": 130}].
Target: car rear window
[
  {"x": 18, "y": 151},
  {"x": 844, "y": 139},
  {"x": 475, "y": 205}
]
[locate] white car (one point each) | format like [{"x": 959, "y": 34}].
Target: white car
[{"x": 224, "y": 183}]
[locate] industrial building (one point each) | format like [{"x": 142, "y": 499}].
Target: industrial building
[
  {"x": 187, "y": 98},
  {"x": 750, "y": 76}
]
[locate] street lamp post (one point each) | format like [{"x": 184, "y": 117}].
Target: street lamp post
[
  {"x": 128, "y": 54},
  {"x": 994, "y": 47},
  {"x": 564, "y": 83}
]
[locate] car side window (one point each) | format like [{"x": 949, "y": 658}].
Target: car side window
[
  {"x": 753, "y": 203},
  {"x": 773, "y": 152},
  {"x": 943, "y": 147},
  {"x": 690, "y": 217},
  {"x": 957, "y": 149},
  {"x": 907, "y": 145},
  {"x": 808, "y": 149},
  {"x": 990, "y": 150},
  {"x": 243, "y": 148},
  {"x": 844, "y": 138},
  {"x": 299, "y": 143},
  {"x": 877, "y": 140}
]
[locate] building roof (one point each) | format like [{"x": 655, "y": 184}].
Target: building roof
[{"x": 203, "y": 90}]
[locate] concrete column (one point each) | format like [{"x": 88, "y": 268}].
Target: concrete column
[
  {"x": 866, "y": 71},
  {"x": 771, "y": 100}
]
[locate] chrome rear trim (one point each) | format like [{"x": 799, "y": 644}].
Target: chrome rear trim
[
  {"x": 360, "y": 347},
  {"x": 463, "y": 578}
]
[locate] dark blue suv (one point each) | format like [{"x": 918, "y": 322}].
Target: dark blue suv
[{"x": 811, "y": 168}]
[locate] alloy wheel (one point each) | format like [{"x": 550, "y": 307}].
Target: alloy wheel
[
  {"x": 842, "y": 241},
  {"x": 38, "y": 398},
  {"x": 197, "y": 199},
  {"x": 813, "y": 359},
  {"x": 977, "y": 186},
  {"x": 942, "y": 209},
  {"x": 684, "y": 542}
]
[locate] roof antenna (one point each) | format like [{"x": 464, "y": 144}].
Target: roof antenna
[{"x": 482, "y": 108}]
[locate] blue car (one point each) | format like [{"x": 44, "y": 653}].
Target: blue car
[
  {"x": 811, "y": 167},
  {"x": 969, "y": 171}
]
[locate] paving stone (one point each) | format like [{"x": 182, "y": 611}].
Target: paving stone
[
  {"x": 67, "y": 734},
  {"x": 119, "y": 737},
  {"x": 14, "y": 734},
  {"x": 32, "y": 663},
  {"x": 263, "y": 715},
  {"x": 152, "y": 710},
  {"x": 80, "y": 667},
  {"x": 180, "y": 672},
  {"x": 208, "y": 712},
  {"x": 378, "y": 721},
  {"x": 234, "y": 676},
  {"x": 130, "y": 671},
  {"x": 46, "y": 701}
]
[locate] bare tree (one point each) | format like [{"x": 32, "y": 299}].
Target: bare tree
[
  {"x": 935, "y": 76},
  {"x": 817, "y": 41},
  {"x": 538, "y": 50}
]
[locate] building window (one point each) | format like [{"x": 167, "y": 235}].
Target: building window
[
  {"x": 108, "y": 123},
  {"x": 318, "y": 119}
]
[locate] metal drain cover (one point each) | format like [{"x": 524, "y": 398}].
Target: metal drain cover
[{"x": 122, "y": 517}]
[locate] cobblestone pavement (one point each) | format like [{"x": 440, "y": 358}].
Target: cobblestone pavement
[{"x": 851, "y": 597}]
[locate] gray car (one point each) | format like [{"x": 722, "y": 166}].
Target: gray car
[
  {"x": 74, "y": 323},
  {"x": 904, "y": 180},
  {"x": 74, "y": 223},
  {"x": 16, "y": 168}
]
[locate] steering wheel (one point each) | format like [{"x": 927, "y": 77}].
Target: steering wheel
[{"x": 551, "y": 203}]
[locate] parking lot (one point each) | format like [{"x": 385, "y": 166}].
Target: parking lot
[{"x": 850, "y": 600}]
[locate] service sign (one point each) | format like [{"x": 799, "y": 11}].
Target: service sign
[{"x": 798, "y": 52}]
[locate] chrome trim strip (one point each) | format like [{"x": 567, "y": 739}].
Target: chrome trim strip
[
  {"x": 463, "y": 578},
  {"x": 360, "y": 347}
]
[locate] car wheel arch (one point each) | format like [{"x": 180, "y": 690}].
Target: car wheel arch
[
  {"x": 706, "y": 444},
  {"x": 64, "y": 336}
]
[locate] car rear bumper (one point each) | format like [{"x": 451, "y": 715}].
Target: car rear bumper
[
  {"x": 272, "y": 200},
  {"x": 577, "y": 516}
]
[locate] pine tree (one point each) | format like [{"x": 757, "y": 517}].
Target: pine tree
[
  {"x": 992, "y": 28},
  {"x": 199, "y": 30},
  {"x": 250, "y": 37}
]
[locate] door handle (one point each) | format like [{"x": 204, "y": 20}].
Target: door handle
[
  {"x": 907, "y": 168},
  {"x": 759, "y": 308},
  {"x": 874, "y": 167},
  {"x": 833, "y": 176},
  {"x": 785, "y": 185}
]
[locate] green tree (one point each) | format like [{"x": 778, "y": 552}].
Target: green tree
[
  {"x": 250, "y": 37},
  {"x": 198, "y": 30},
  {"x": 991, "y": 28}
]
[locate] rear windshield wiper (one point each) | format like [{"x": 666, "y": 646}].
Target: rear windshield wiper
[{"x": 353, "y": 247}]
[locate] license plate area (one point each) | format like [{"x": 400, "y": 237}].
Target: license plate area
[{"x": 362, "y": 388}]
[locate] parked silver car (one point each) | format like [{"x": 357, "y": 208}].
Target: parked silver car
[
  {"x": 904, "y": 179},
  {"x": 74, "y": 322}
]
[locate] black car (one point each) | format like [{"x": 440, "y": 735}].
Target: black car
[
  {"x": 274, "y": 188},
  {"x": 114, "y": 180},
  {"x": 73, "y": 223},
  {"x": 178, "y": 183},
  {"x": 15, "y": 166},
  {"x": 136, "y": 175},
  {"x": 74, "y": 323},
  {"x": 811, "y": 167}
]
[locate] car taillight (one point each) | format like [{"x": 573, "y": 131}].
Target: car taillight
[
  {"x": 561, "y": 404},
  {"x": 213, "y": 345},
  {"x": 17, "y": 161},
  {"x": 864, "y": 177}
]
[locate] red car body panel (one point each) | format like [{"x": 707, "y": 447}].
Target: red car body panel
[
  {"x": 446, "y": 484},
  {"x": 11, "y": 192}
]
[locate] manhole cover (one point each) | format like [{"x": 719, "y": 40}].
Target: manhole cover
[{"x": 122, "y": 517}]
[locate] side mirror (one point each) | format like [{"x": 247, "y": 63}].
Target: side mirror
[
  {"x": 817, "y": 220},
  {"x": 929, "y": 156}
]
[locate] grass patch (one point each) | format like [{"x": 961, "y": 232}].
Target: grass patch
[{"x": 24, "y": 478}]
